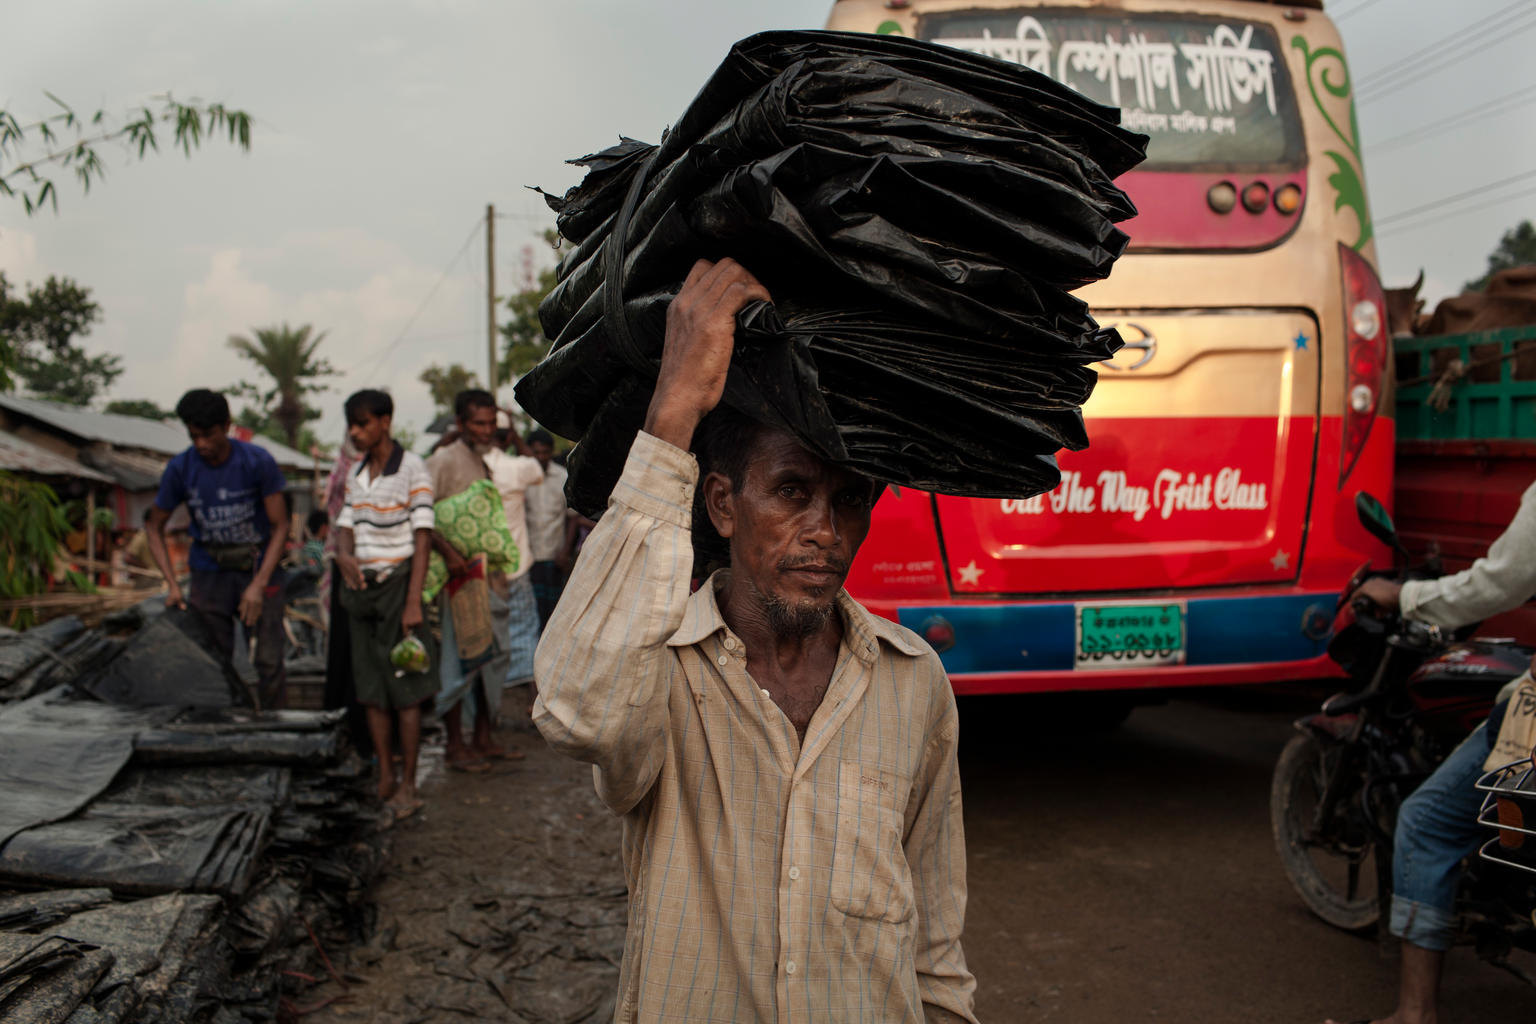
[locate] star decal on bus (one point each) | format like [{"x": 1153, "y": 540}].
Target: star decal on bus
[
  {"x": 1282, "y": 560},
  {"x": 971, "y": 575},
  {"x": 1301, "y": 340}
]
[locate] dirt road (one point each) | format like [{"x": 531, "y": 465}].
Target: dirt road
[{"x": 1122, "y": 877}]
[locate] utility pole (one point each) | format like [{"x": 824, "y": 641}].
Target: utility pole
[{"x": 490, "y": 294}]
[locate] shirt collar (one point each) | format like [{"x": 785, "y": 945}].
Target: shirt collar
[
  {"x": 391, "y": 465},
  {"x": 862, "y": 631}
]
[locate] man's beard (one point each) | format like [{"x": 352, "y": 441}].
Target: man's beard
[{"x": 797, "y": 620}]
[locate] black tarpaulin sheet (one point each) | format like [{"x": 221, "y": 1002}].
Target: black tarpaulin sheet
[
  {"x": 57, "y": 756},
  {"x": 20, "y": 652},
  {"x": 141, "y": 850},
  {"x": 85, "y": 653},
  {"x": 238, "y": 736},
  {"x": 150, "y": 940},
  {"x": 918, "y": 214},
  {"x": 35, "y": 911},
  {"x": 171, "y": 661},
  {"x": 44, "y": 978},
  {"x": 200, "y": 785}
]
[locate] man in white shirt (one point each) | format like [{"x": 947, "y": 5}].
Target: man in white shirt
[
  {"x": 515, "y": 476},
  {"x": 550, "y": 530}
]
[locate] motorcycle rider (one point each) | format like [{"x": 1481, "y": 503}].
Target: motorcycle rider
[{"x": 1437, "y": 825}]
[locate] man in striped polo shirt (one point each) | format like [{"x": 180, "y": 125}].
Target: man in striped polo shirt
[{"x": 384, "y": 535}]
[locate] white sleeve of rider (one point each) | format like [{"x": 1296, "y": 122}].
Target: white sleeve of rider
[{"x": 1502, "y": 579}]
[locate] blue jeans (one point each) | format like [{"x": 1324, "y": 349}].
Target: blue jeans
[{"x": 1436, "y": 828}]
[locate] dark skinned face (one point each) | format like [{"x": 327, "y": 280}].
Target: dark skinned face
[
  {"x": 367, "y": 431},
  {"x": 542, "y": 452},
  {"x": 794, "y": 527},
  {"x": 479, "y": 427},
  {"x": 211, "y": 443}
]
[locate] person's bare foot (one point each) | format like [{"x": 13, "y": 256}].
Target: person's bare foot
[
  {"x": 464, "y": 759},
  {"x": 404, "y": 803},
  {"x": 387, "y": 783}
]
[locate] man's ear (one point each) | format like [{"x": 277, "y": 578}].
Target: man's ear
[{"x": 718, "y": 503}]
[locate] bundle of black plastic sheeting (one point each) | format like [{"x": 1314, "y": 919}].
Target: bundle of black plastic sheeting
[
  {"x": 170, "y": 661},
  {"x": 44, "y": 978},
  {"x": 139, "y": 849},
  {"x": 58, "y": 755},
  {"x": 919, "y": 215},
  {"x": 160, "y": 959},
  {"x": 88, "y": 652},
  {"x": 34, "y": 911}
]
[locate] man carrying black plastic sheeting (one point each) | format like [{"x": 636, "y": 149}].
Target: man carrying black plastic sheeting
[
  {"x": 234, "y": 494},
  {"x": 383, "y": 538},
  {"x": 784, "y": 761}
]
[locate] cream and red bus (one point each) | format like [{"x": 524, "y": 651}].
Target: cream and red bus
[{"x": 1204, "y": 535}]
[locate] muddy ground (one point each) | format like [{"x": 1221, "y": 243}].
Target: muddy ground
[
  {"x": 1124, "y": 877},
  {"x": 503, "y": 901}
]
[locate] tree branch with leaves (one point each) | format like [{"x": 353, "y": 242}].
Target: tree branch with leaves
[{"x": 31, "y": 151}]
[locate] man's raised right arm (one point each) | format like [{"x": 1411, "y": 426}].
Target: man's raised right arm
[
  {"x": 603, "y": 664},
  {"x": 603, "y": 667}
]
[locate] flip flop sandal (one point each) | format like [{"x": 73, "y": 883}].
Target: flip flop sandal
[
  {"x": 472, "y": 766},
  {"x": 508, "y": 754},
  {"x": 402, "y": 811}
]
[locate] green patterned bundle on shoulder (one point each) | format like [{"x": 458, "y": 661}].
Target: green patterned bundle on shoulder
[{"x": 475, "y": 523}]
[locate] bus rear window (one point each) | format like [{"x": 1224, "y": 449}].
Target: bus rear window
[{"x": 1211, "y": 93}]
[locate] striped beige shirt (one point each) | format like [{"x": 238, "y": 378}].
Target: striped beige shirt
[{"x": 767, "y": 881}]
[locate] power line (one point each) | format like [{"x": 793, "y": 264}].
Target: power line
[
  {"x": 1410, "y": 69},
  {"x": 384, "y": 357},
  {"x": 1456, "y": 38},
  {"x": 1351, "y": 12},
  {"x": 1458, "y": 197},
  {"x": 1461, "y": 212},
  {"x": 1472, "y": 114}
]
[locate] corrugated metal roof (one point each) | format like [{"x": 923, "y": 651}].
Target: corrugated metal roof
[
  {"x": 25, "y": 457},
  {"x": 135, "y": 471},
  {"x": 130, "y": 431}
]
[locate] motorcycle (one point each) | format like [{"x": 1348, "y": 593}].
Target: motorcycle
[{"x": 1414, "y": 693}]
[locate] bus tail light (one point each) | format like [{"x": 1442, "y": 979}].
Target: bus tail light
[{"x": 1365, "y": 354}]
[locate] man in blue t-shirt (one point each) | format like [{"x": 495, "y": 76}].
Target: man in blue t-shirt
[{"x": 234, "y": 494}]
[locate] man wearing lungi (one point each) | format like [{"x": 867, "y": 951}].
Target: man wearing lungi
[{"x": 383, "y": 539}]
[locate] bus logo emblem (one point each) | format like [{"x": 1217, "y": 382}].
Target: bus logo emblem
[{"x": 1146, "y": 344}]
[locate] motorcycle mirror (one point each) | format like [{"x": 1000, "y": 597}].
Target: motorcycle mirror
[{"x": 1373, "y": 516}]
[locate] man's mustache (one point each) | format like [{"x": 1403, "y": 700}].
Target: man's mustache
[{"x": 830, "y": 563}]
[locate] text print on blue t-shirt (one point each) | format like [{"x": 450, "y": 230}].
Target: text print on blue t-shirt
[{"x": 226, "y": 502}]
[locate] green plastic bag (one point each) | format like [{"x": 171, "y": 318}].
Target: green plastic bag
[{"x": 409, "y": 656}]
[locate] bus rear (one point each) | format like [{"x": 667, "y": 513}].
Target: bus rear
[{"x": 1204, "y": 535}]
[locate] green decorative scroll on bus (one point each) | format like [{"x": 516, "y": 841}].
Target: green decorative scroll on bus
[{"x": 1348, "y": 180}]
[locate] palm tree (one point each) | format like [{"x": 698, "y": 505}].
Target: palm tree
[{"x": 288, "y": 357}]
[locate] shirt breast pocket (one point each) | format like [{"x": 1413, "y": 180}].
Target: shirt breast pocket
[{"x": 870, "y": 874}]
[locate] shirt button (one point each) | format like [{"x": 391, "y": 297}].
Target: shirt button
[
  {"x": 730, "y": 643},
  {"x": 794, "y": 873},
  {"x": 722, "y": 659},
  {"x": 767, "y": 694},
  {"x": 789, "y": 968}
]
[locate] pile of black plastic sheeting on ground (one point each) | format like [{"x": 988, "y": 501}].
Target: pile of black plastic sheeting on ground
[
  {"x": 919, "y": 215},
  {"x": 170, "y": 860}
]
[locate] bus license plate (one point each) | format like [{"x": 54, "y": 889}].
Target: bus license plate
[{"x": 1120, "y": 636}]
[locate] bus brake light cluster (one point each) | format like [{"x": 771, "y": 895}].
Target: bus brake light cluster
[{"x": 1365, "y": 353}]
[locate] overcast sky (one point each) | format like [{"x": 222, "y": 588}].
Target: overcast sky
[{"x": 384, "y": 128}]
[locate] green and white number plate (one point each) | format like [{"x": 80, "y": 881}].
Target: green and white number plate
[{"x": 1130, "y": 635}]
